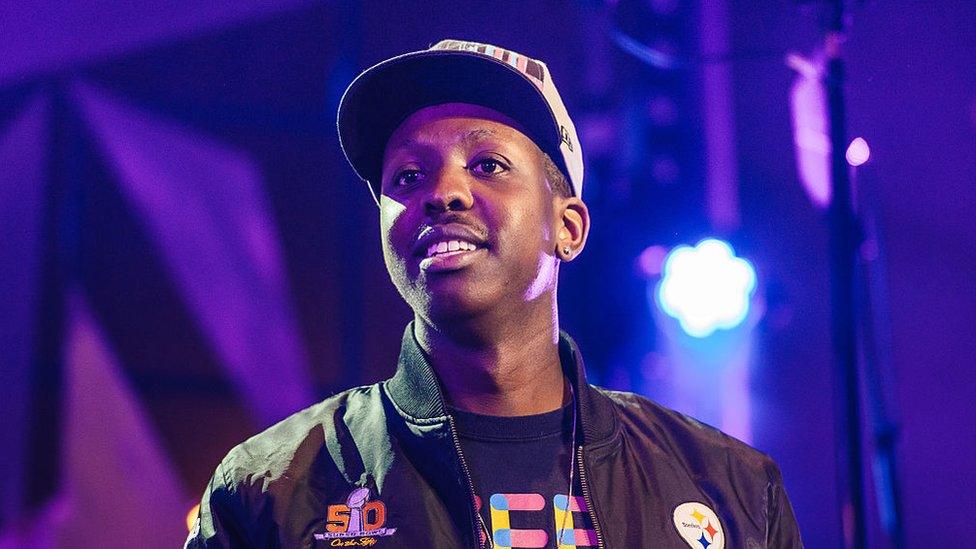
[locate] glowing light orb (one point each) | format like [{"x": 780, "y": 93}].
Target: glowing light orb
[
  {"x": 706, "y": 288},
  {"x": 858, "y": 152}
]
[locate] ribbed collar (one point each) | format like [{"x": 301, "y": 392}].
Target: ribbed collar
[{"x": 416, "y": 391}]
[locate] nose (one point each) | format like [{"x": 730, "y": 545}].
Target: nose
[{"x": 450, "y": 192}]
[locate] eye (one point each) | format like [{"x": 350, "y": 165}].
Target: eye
[
  {"x": 407, "y": 178},
  {"x": 488, "y": 166}
]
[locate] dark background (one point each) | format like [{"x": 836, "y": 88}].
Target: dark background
[{"x": 185, "y": 257}]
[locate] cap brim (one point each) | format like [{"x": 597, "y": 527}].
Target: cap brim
[{"x": 382, "y": 97}]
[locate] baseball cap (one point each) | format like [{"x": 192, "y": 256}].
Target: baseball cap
[{"x": 455, "y": 71}]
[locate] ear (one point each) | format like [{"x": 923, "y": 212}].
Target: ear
[{"x": 572, "y": 228}]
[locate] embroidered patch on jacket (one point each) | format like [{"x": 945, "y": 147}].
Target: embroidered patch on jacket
[
  {"x": 356, "y": 523},
  {"x": 699, "y": 526}
]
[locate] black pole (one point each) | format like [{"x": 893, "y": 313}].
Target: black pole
[
  {"x": 874, "y": 338},
  {"x": 844, "y": 240}
]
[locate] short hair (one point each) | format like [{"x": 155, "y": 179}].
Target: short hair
[{"x": 556, "y": 178}]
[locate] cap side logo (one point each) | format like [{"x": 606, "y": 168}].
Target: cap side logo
[
  {"x": 565, "y": 138},
  {"x": 699, "y": 526}
]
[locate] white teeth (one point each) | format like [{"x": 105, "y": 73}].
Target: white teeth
[{"x": 450, "y": 246}]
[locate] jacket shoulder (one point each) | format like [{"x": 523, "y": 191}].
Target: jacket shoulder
[
  {"x": 240, "y": 506},
  {"x": 697, "y": 445},
  {"x": 295, "y": 440}
]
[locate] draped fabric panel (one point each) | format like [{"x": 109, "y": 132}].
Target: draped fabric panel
[
  {"x": 203, "y": 205},
  {"x": 22, "y": 156}
]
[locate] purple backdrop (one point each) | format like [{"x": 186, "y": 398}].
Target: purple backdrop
[{"x": 186, "y": 257}]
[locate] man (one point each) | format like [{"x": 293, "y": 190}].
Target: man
[{"x": 488, "y": 434}]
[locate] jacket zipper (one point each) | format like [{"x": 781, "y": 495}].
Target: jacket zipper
[
  {"x": 589, "y": 501},
  {"x": 477, "y": 526}
]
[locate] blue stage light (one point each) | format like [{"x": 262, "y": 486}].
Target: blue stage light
[{"x": 706, "y": 288}]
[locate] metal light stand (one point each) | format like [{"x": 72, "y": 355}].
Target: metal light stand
[
  {"x": 847, "y": 290},
  {"x": 844, "y": 240}
]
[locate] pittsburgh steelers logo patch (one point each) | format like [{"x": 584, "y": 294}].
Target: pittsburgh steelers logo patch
[{"x": 699, "y": 526}]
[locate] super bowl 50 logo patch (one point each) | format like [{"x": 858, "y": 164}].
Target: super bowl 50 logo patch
[
  {"x": 699, "y": 526},
  {"x": 356, "y": 523}
]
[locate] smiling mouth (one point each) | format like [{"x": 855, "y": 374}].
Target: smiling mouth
[
  {"x": 450, "y": 247},
  {"x": 450, "y": 255}
]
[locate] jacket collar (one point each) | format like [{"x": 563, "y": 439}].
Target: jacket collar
[{"x": 416, "y": 391}]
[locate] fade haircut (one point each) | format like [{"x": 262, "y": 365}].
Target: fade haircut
[{"x": 557, "y": 180}]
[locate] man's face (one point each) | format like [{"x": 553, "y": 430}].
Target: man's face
[{"x": 468, "y": 220}]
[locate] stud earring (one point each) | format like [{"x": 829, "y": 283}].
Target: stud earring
[{"x": 567, "y": 250}]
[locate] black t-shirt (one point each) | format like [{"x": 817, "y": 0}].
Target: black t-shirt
[{"x": 520, "y": 467}]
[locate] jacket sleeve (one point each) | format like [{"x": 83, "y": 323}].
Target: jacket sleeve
[
  {"x": 222, "y": 520},
  {"x": 782, "y": 532}
]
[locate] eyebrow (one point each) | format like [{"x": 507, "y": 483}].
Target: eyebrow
[{"x": 479, "y": 134}]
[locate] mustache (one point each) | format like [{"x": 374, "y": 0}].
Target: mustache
[{"x": 453, "y": 218}]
